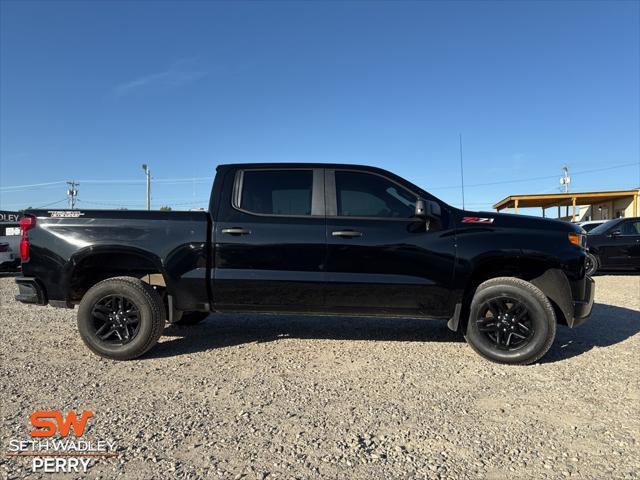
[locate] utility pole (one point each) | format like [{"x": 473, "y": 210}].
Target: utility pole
[
  {"x": 565, "y": 180},
  {"x": 147, "y": 172},
  {"x": 72, "y": 193}
]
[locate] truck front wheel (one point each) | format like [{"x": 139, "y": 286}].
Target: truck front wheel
[
  {"x": 510, "y": 321},
  {"x": 591, "y": 264},
  {"x": 121, "y": 318}
]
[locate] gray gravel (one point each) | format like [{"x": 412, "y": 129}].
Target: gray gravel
[{"x": 292, "y": 397}]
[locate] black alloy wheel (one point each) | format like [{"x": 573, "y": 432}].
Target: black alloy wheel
[
  {"x": 121, "y": 318},
  {"x": 505, "y": 321},
  {"x": 510, "y": 321},
  {"x": 590, "y": 264},
  {"x": 116, "y": 319}
]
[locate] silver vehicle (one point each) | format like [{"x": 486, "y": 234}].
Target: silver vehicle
[
  {"x": 9, "y": 241},
  {"x": 591, "y": 224},
  {"x": 8, "y": 259}
]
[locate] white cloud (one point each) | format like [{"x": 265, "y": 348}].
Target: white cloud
[{"x": 182, "y": 72}]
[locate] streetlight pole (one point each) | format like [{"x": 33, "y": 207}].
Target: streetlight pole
[{"x": 147, "y": 172}]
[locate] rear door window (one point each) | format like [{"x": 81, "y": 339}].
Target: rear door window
[{"x": 277, "y": 192}]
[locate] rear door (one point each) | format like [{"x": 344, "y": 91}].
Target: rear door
[
  {"x": 270, "y": 241},
  {"x": 381, "y": 259}
]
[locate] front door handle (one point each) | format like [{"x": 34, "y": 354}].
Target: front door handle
[
  {"x": 236, "y": 231},
  {"x": 346, "y": 233}
]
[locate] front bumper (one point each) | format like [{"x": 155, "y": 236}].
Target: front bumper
[
  {"x": 30, "y": 291},
  {"x": 582, "y": 308}
]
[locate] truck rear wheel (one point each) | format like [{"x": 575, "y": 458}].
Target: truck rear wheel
[
  {"x": 121, "y": 318},
  {"x": 510, "y": 321}
]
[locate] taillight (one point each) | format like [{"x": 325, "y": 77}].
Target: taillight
[
  {"x": 24, "y": 249},
  {"x": 26, "y": 224}
]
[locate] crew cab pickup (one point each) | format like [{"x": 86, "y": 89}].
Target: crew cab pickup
[{"x": 314, "y": 239}]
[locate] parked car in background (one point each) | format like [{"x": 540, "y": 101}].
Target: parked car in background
[
  {"x": 9, "y": 241},
  {"x": 8, "y": 260},
  {"x": 614, "y": 245},
  {"x": 591, "y": 224}
]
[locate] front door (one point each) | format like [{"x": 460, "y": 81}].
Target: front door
[
  {"x": 380, "y": 258},
  {"x": 624, "y": 247},
  {"x": 270, "y": 241}
]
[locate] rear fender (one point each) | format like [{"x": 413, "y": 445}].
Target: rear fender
[{"x": 77, "y": 260}]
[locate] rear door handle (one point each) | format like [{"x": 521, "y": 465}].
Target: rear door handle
[
  {"x": 346, "y": 233},
  {"x": 236, "y": 231}
]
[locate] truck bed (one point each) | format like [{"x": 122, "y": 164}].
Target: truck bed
[{"x": 173, "y": 244}]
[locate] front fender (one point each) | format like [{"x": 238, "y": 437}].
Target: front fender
[{"x": 555, "y": 285}]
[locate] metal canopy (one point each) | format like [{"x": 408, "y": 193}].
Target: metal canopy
[{"x": 562, "y": 199}]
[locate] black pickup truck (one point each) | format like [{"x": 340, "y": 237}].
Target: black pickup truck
[{"x": 313, "y": 239}]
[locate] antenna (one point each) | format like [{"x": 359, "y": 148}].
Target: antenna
[
  {"x": 72, "y": 192},
  {"x": 565, "y": 179},
  {"x": 461, "y": 170}
]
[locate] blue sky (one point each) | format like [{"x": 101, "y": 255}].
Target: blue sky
[{"x": 91, "y": 90}]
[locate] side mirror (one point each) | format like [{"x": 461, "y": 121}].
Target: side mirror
[
  {"x": 615, "y": 233},
  {"x": 427, "y": 208},
  {"x": 434, "y": 209}
]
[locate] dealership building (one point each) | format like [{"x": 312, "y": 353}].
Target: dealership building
[{"x": 578, "y": 206}]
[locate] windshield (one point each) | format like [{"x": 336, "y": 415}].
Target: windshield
[
  {"x": 590, "y": 226},
  {"x": 600, "y": 229}
]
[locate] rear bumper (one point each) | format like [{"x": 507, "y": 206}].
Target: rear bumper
[
  {"x": 10, "y": 265},
  {"x": 30, "y": 291},
  {"x": 582, "y": 308}
]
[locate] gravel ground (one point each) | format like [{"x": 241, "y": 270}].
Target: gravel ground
[{"x": 292, "y": 397}]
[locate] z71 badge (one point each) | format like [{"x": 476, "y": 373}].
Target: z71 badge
[{"x": 477, "y": 220}]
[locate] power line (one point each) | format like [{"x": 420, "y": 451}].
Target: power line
[
  {"x": 34, "y": 185},
  {"x": 531, "y": 179},
  {"x": 187, "y": 180},
  {"x": 141, "y": 203},
  {"x": 170, "y": 181},
  {"x": 49, "y": 204},
  {"x": 109, "y": 204}
]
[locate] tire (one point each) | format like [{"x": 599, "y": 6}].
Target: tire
[
  {"x": 591, "y": 264},
  {"x": 134, "y": 332},
  {"x": 191, "y": 318},
  {"x": 520, "y": 309}
]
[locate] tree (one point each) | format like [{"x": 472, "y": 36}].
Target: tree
[{"x": 165, "y": 208}]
